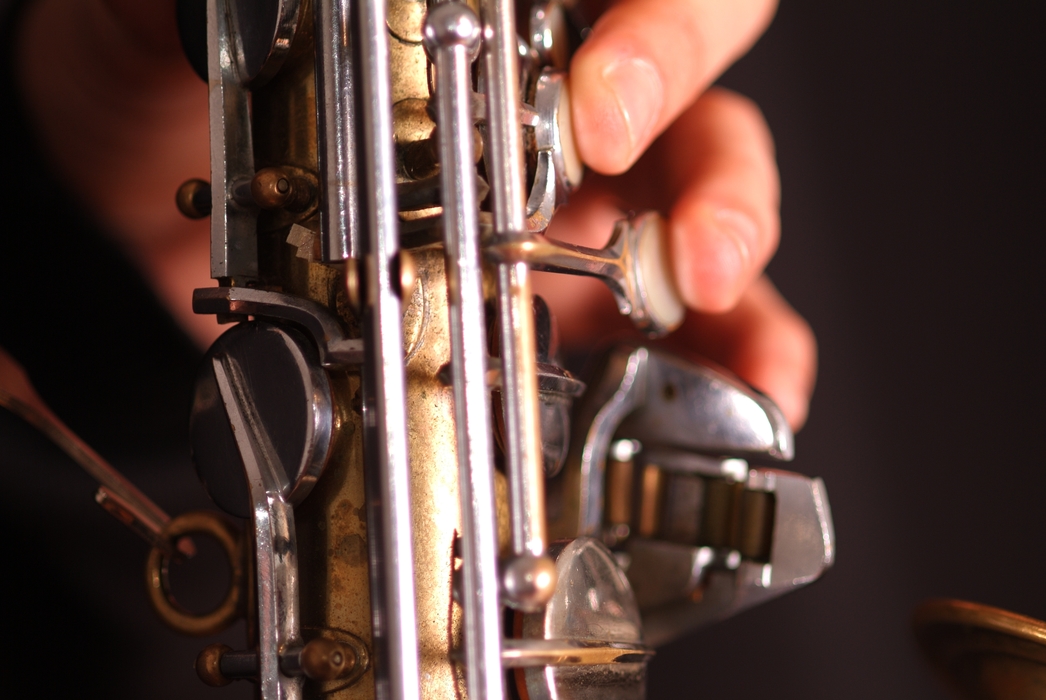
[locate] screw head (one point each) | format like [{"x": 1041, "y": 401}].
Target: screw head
[
  {"x": 452, "y": 24},
  {"x": 194, "y": 198},
  {"x": 529, "y": 582},
  {"x": 327, "y": 660},
  {"x": 209, "y": 665}
]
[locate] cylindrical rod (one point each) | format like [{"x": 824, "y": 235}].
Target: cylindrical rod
[
  {"x": 518, "y": 351},
  {"x": 388, "y": 477},
  {"x": 451, "y": 34},
  {"x": 339, "y": 212}
]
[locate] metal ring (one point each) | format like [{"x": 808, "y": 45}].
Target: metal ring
[{"x": 158, "y": 584}]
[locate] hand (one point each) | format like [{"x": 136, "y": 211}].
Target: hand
[
  {"x": 642, "y": 111},
  {"x": 109, "y": 90},
  {"x": 123, "y": 119}
]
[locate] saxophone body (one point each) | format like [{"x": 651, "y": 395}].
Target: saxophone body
[{"x": 417, "y": 500}]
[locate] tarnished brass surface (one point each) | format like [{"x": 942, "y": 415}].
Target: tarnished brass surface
[
  {"x": 332, "y": 544},
  {"x": 410, "y": 66},
  {"x": 982, "y": 652},
  {"x": 434, "y": 481},
  {"x": 413, "y": 127},
  {"x": 331, "y": 523}
]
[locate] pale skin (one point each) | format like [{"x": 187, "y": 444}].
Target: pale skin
[{"x": 124, "y": 121}]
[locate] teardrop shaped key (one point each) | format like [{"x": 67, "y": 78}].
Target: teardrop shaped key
[{"x": 116, "y": 494}]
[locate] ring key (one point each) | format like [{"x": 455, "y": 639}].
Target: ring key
[{"x": 116, "y": 494}]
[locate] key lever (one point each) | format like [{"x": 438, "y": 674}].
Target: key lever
[{"x": 116, "y": 494}]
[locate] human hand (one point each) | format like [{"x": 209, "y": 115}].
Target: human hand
[
  {"x": 123, "y": 120},
  {"x": 109, "y": 90},
  {"x": 642, "y": 111}
]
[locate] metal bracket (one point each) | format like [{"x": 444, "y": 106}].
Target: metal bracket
[
  {"x": 722, "y": 584},
  {"x": 335, "y": 349},
  {"x": 662, "y": 400}
]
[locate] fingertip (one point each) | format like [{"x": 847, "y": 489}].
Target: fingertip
[
  {"x": 765, "y": 342},
  {"x": 784, "y": 360},
  {"x": 784, "y": 373},
  {"x": 600, "y": 128},
  {"x": 793, "y": 405},
  {"x": 713, "y": 256},
  {"x": 618, "y": 99}
]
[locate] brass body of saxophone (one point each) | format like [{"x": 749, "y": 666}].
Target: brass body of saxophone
[
  {"x": 387, "y": 419},
  {"x": 331, "y": 524},
  {"x": 386, "y": 415}
]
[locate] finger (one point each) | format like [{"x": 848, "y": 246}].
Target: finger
[
  {"x": 123, "y": 117},
  {"x": 765, "y": 342},
  {"x": 644, "y": 62},
  {"x": 718, "y": 160},
  {"x": 152, "y": 26}
]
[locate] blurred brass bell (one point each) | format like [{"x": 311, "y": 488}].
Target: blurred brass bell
[{"x": 983, "y": 653}]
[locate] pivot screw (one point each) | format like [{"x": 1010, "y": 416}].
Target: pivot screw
[
  {"x": 327, "y": 660},
  {"x": 194, "y": 198}
]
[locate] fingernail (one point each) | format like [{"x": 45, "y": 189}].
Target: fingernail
[
  {"x": 741, "y": 229},
  {"x": 637, "y": 88}
]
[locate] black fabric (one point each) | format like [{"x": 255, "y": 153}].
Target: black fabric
[{"x": 910, "y": 144}]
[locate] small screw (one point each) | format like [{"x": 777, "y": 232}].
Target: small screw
[{"x": 194, "y": 198}]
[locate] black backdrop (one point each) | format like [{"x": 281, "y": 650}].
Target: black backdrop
[
  {"x": 910, "y": 142},
  {"x": 909, "y": 139}
]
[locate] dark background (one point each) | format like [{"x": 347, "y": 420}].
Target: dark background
[
  {"x": 910, "y": 143},
  {"x": 909, "y": 137}
]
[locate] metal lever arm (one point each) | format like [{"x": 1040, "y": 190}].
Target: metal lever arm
[
  {"x": 336, "y": 350},
  {"x": 117, "y": 495},
  {"x": 634, "y": 265},
  {"x": 276, "y": 566}
]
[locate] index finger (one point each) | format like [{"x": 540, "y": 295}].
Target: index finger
[{"x": 644, "y": 62}]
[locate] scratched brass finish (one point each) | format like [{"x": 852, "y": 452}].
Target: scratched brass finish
[
  {"x": 332, "y": 546},
  {"x": 983, "y": 653},
  {"x": 434, "y": 481},
  {"x": 413, "y": 127},
  {"x": 431, "y": 438}
]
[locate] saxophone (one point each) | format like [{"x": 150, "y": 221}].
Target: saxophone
[{"x": 417, "y": 499}]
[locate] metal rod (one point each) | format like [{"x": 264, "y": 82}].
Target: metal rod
[
  {"x": 518, "y": 351},
  {"x": 394, "y": 608},
  {"x": 339, "y": 208},
  {"x": 234, "y": 245},
  {"x": 520, "y": 400},
  {"x": 505, "y": 151},
  {"x": 452, "y": 33}
]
